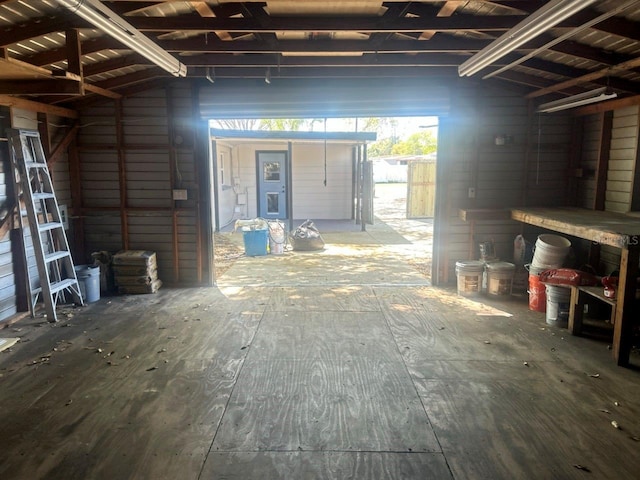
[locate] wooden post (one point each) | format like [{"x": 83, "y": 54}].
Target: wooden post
[
  {"x": 623, "y": 327},
  {"x": 122, "y": 177},
  {"x": 76, "y": 201},
  {"x": 173, "y": 164}
]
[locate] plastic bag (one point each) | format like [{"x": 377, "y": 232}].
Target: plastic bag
[
  {"x": 568, "y": 276},
  {"x": 307, "y": 237}
]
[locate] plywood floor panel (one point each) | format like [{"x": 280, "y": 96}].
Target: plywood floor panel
[
  {"x": 324, "y": 335},
  {"x": 347, "y": 298},
  {"x": 513, "y": 429},
  {"x": 325, "y": 465}
]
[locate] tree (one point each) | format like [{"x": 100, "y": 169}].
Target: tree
[
  {"x": 419, "y": 143},
  {"x": 380, "y": 148},
  {"x": 236, "y": 123},
  {"x": 282, "y": 124}
]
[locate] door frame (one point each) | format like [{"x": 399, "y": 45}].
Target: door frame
[{"x": 286, "y": 179}]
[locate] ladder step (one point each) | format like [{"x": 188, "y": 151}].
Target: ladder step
[
  {"x": 62, "y": 284},
  {"x": 29, "y": 165},
  {"x": 43, "y": 196},
  {"x": 43, "y": 227},
  {"x": 53, "y": 256}
]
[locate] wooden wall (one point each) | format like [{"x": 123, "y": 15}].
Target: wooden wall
[
  {"x": 622, "y": 159},
  {"x": 528, "y": 169},
  {"x": 610, "y": 144},
  {"x": 8, "y": 264},
  {"x": 132, "y": 154}
]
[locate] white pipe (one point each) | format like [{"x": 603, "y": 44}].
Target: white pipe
[
  {"x": 94, "y": 12},
  {"x": 533, "y": 25}
]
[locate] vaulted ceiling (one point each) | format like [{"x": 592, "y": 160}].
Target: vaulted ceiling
[{"x": 51, "y": 54}]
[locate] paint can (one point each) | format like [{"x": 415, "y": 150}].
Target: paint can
[
  {"x": 469, "y": 277},
  {"x": 500, "y": 278},
  {"x": 558, "y": 303}
]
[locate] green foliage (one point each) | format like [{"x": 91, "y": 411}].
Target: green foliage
[
  {"x": 380, "y": 148},
  {"x": 419, "y": 143}
]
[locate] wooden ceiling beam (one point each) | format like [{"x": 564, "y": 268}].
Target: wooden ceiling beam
[
  {"x": 33, "y": 106},
  {"x": 322, "y": 72},
  {"x": 200, "y": 44},
  {"x": 38, "y": 27},
  {"x": 53, "y": 86},
  {"x": 457, "y": 23},
  {"x": 74, "y": 63},
  {"x": 87, "y": 48},
  {"x": 368, "y": 60},
  {"x": 115, "y": 64},
  {"x": 587, "y": 78}
]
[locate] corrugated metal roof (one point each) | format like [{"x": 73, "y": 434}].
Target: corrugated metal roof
[{"x": 24, "y": 12}]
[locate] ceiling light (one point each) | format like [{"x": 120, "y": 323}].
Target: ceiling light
[
  {"x": 533, "y": 25},
  {"x": 267, "y": 76},
  {"x": 106, "y": 20},
  {"x": 592, "y": 96}
]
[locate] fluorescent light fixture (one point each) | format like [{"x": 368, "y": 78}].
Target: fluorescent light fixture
[
  {"x": 533, "y": 25},
  {"x": 592, "y": 96},
  {"x": 106, "y": 20}
]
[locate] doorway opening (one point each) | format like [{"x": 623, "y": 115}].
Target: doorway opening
[{"x": 399, "y": 145}]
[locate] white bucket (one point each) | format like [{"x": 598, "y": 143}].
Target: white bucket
[
  {"x": 558, "y": 303},
  {"x": 550, "y": 252},
  {"x": 500, "y": 278},
  {"x": 469, "y": 277},
  {"x": 277, "y": 237}
]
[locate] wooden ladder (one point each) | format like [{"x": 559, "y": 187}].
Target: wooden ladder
[{"x": 44, "y": 229}]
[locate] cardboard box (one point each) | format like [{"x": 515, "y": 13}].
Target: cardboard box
[{"x": 135, "y": 258}]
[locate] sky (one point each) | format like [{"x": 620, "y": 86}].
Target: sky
[{"x": 405, "y": 126}]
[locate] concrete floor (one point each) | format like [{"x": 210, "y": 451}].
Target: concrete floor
[{"x": 337, "y": 364}]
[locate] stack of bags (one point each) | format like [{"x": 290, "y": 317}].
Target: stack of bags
[{"x": 136, "y": 271}]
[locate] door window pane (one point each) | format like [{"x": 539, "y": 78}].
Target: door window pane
[
  {"x": 271, "y": 171},
  {"x": 272, "y": 203}
]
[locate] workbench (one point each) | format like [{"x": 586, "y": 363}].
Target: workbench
[{"x": 605, "y": 228}]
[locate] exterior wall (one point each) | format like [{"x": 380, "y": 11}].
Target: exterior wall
[
  {"x": 132, "y": 156},
  {"x": 529, "y": 170},
  {"x": 311, "y": 198},
  {"x": 228, "y": 177}
]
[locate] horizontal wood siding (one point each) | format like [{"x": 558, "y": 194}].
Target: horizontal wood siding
[
  {"x": 8, "y": 274},
  {"x": 622, "y": 161},
  {"x": 620, "y": 176},
  {"x": 157, "y": 152},
  {"x": 548, "y": 161},
  {"x": 591, "y": 139},
  {"x": 311, "y": 197},
  {"x": 227, "y": 191},
  {"x": 529, "y": 169}
]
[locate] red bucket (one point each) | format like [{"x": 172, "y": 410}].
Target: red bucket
[{"x": 537, "y": 294}]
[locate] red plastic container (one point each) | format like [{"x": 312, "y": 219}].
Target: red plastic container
[{"x": 537, "y": 294}]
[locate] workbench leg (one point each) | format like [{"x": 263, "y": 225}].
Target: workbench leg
[
  {"x": 576, "y": 311},
  {"x": 623, "y": 327}
]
